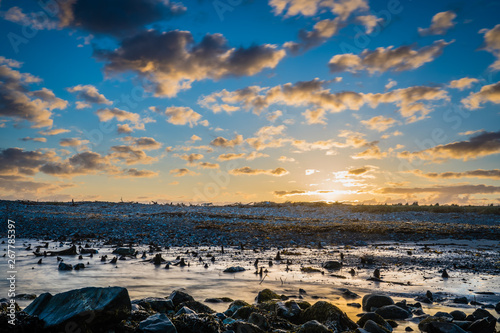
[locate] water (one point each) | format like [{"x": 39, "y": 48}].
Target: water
[{"x": 143, "y": 279}]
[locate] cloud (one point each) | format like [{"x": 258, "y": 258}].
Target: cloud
[
  {"x": 309, "y": 193},
  {"x": 272, "y": 116},
  {"x": 286, "y": 159},
  {"x": 195, "y": 138},
  {"x": 479, "y": 173},
  {"x": 54, "y": 132},
  {"x": 452, "y": 190},
  {"x": 386, "y": 59},
  {"x": 313, "y": 94},
  {"x": 315, "y": 116},
  {"x": 373, "y": 152},
  {"x": 342, "y": 8},
  {"x": 321, "y": 32},
  {"x": 492, "y": 44},
  {"x": 379, "y": 123},
  {"x": 130, "y": 155},
  {"x": 488, "y": 93},
  {"x": 22, "y": 185},
  {"x": 463, "y": 83},
  {"x": 230, "y": 156},
  {"x": 181, "y": 115},
  {"x": 440, "y": 24},
  {"x": 225, "y": 143},
  {"x": 134, "y": 119},
  {"x": 115, "y": 17},
  {"x": 134, "y": 173},
  {"x": 16, "y": 161},
  {"x": 278, "y": 172},
  {"x": 171, "y": 61},
  {"x": 89, "y": 94},
  {"x": 191, "y": 157},
  {"x": 84, "y": 163},
  {"x": 38, "y": 21},
  {"x": 72, "y": 142},
  {"x": 17, "y": 101},
  {"x": 482, "y": 144},
  {"x": 208, "y": 165},
  {"x": 361, "y": 171},
  {"x": 369, "y": 22},
  {"x": 145, "y": 143},
  {"x": 28, "y": 138},
  {"x": 183, "y": 172},
  {"x": 390, "y": 84}
]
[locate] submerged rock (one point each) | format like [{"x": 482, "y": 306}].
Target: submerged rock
[
  {"x": 87, "y": 307},
  {"x": 65, "y": 267},
  {"x": 124, "y": 251},
  {"x": 234, "y": 269},
  {"x": 332, "y": 265}
]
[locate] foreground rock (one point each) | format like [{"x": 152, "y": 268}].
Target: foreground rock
[
  {"x": 375, "y": 301},
  {"x": 157, "y": 323},
  {"x": 88, "y": 307}
]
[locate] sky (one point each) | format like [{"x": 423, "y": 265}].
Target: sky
[{"x": 246, "y": 101}]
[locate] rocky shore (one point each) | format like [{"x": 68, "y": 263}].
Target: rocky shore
[{"x": 111, "y": 310}]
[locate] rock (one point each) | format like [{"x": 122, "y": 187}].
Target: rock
[
  {"x": 408, "y": 329},
  {"x": 244, "y": 312},
  {"x": 259, "y": 320},
  {"x": 425, "y": 323},
  {"x": 219, "y": 300},
  {"x": 234, "y": 306},
  {"x": 443, "y": 314},
  {"x": 333, "y": 265},
  {"x": 329, "y": 315},
  {"x": 392, "y": 312},
  {"x": 241, "y": 326},
  {"x": 497, "y": 307},
  {"x": 26, "y": 296},
  {"x": 196, "y": 306},
  {"x": 429, "y": 295},
  {"x": 376, "y": 273},
  {"x": 375, "y": 301},
  {"x": 234, "y": 269},
  {"x": 485, "y": 325},
  {"x": 354, "y": 305},
  {"x": 65, "y": 267},
  {"x": 461, "y": 300},
  {"x": 375, "y": 318},
  {"x": 266, "y": 295},
  {"x": 439, "y": 327},
  {"x": 68, "y": 252},
  {"x": 289, "y": 310},
  {"x": 373, "y": 327},
  {"x": 105, "y": 306},
  {"x": 445, "y": 275},
  {"x": 155, "y": 304},
  {"x": 79, "y": 266},
  {"x": 347, "y": 294},
  {"x": 458, "y": 315},
  {"x": 184, "y": 310},
  {"x": 157, "y": 323},
  {"x": 313, "y": 326},
  {"x": 201, "y": 323},
  {"x": 481, "y": 313},
  {"x": 178, "y": 296},
  {"x": 124, "y": 251},
  {"x": 424, "y": 299}
]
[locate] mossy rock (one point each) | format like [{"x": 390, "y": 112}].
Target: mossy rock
[
  {"x": 373, "y": 317},
  {"x": 245, "y": 312},
  {"x": 266, "y": 295},
  {"x": 329, "y": 315},
  {"x": 196, "y": 307},
  {"x": 424, "y": 324}
]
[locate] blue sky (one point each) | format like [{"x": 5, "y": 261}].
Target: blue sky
[{"x": 224, "y": 101}]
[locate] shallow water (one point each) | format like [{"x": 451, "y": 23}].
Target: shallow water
[{"x": 143, "y": 279}]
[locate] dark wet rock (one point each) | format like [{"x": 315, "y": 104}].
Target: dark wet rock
[
  {"x": 88, "y": 251},
  {"x": 219, "y": 300},
  {"x": 155, "y": 304},
  {"x": 196, "y": 306},
  {"x": 79, "y": 266},
  {"x": 373, "y": 327},
  {"x": 266, "y": 295},
  {"x": 234, "y": 269},
  {"x": 392, "y": 312},
  {"x": 329, "y": 315},
  {"x": 104, "y": 305},
  {"x": 392, "y": 323},
  {"x": 408, "y": 329},
  {"x": 497, "y": 307},
  {"x": 425, "y": 323},
  {"x": 347, "y": 294},
  {"x": 375, "y": 301},
  {"x": 481, "y": 313},
  {"x": 234, "y": 306},
  {"x": 354, "y": 305},
  {"x": 461, "y": 300},
  {"x": 424, "y": 299},
  {"x": 443, "y": 327},
  {"x": 124, "y": 251},
  {"x": 485, "y": 325},
  {"x": 458, "y": 315},
  {"x": 376, "y": 273},
  {"x": 313, "y": 326},
  {"x": 332, "y": 265},
  {"x": 375, "y": 318},
  {"x": 445, "y": 274},
  {"x": 65, "y": 267},
  {"x": 244, "y": 312},
  {"x": 201, "y": 323},
  {"x": 184, "y": 310},
  {"x": 443, "y": 314},
  {"x": 290, "y": 311},
  {"x": 26, "y": 296},
  {"x": 157, "y": 323},
  {"x": 67, "y": 252},
  {"x": 259, "y": 320},
  {"x": 178, "y": 296},
  {"x": 241, "y": 326},
  {"x": 429, "y": 295}
]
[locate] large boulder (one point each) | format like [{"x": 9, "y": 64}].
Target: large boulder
[
  {"x": 375, "y": 301},
  {"x": 392, "y": 312},
  {"x": 375, "y": 318},
  {"x": 373, "y": 327},
  {"x": 313, "y": 326},
  {"x": 157, "y": 323},
  {"x": 155, "y": 304},
  {"x": 178, "y": 296},
  {"x": 87, "y": 307},
  {"x": 266, "y": 295},
  {"x": 439, "y": 327},
  {"x": 329, "y": 315}
]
